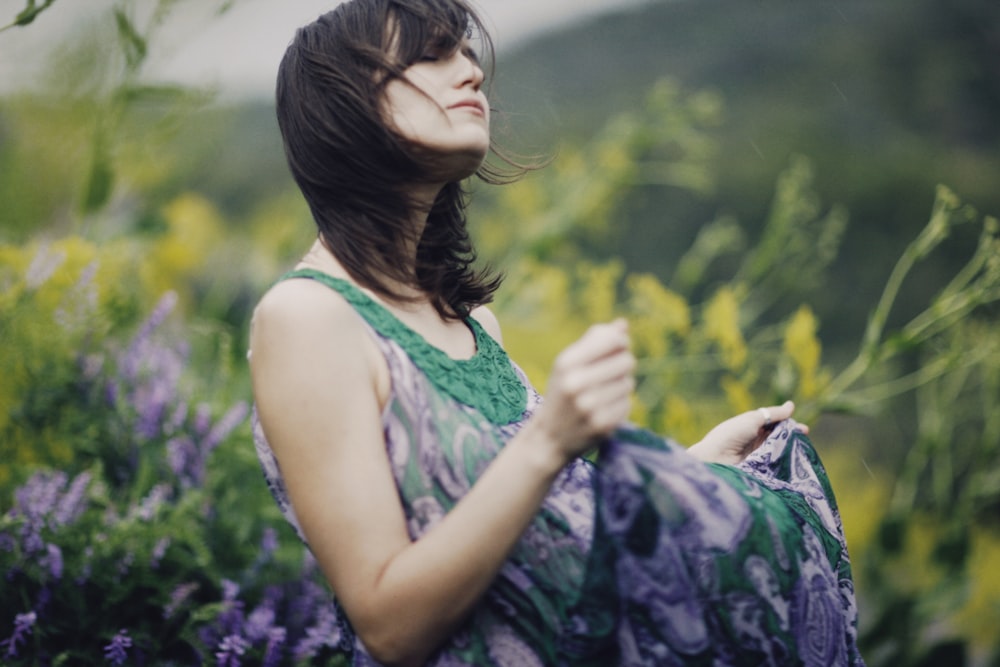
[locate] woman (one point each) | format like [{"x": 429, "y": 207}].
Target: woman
[{"x": 445, "y": 502}]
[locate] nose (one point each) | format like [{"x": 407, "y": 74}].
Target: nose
[{"x": 472, "y": 72}]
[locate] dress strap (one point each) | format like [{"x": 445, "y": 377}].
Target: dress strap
[{"x": 487, "y": 381}]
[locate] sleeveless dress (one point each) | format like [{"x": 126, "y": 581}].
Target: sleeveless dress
[{"x": 647, "y": 557}]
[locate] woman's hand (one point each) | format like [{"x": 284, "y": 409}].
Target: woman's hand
[
  {"x": 731, "y": 441},
  {"x": 589, "y": 392}
]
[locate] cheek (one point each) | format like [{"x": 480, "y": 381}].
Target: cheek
[{"x": 407, "y": 110}]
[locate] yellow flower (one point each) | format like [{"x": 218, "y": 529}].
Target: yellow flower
[
  {"x": 656, "y": 314},
  {"x": 980, "y": 616},
  {"x": 599, "y": 290},
  {"x": 722, "y": 326},
  {"x": 737, "y": 394},
  {"x": 194, "y": 228},
  {"x": 804, "y": 349}
]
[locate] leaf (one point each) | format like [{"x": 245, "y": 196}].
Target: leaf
[
  {"x": 28, "y": 14},
  {"x": 99, "y": 180},
  {"x": 132, "y": 42}
]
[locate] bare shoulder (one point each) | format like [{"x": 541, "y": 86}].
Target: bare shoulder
[
  {"x": 489, "y": 322},
  {"x": 302, "y": 336},
  {"x": 299, "y": 310}
]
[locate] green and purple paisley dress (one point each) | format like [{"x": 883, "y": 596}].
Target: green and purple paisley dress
[{"x": 646, "y": 557}]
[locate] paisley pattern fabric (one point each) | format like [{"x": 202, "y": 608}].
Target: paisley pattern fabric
[{"x": 648, "y": 557}]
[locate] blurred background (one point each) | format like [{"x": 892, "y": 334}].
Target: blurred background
[{"x": 787, "y": 200}]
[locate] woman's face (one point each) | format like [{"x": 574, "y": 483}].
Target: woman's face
[{"x": 443, "y": 108}]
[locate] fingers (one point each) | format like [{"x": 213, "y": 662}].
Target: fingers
[
  {"x": 591, "y": 384},
  {"x": 770, "y": 415},
  {"x": 773, "y": 414},
  {"x": 599, "y": 341}
]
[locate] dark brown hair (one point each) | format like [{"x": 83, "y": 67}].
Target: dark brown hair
[{"x": 353, "y": 168}]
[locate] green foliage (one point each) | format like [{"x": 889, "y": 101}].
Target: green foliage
[{"x": 125, "y": 529}]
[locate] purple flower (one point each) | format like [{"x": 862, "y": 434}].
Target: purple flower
[
  {"x": 130, "y": 362},
  {"x": 178, "y": 598},
  {"x": 275, "y": 641},
  {"x": 152, "y": 503},
  {"x": 230, "y": 620},
  {"x": 91, "y": 365},
  {"x": 324, "y": 632},
  {"x": 125, "y": 564},
  {"x": 158, "y": 552},
  {"x": 230, "y": 589},
  {"x": 72, "y": 504},
  {"x": 230, "y": 649},
  {"x": 181, "y": 456},
  {"x": 259, "y": 622},
  {"x": 176, "y": 418},
  {"x": 39, "y": 495},
  {"x": 116, "y": 651},
  {"x": 268, "y": 543},
  {"x": 202, "y": 419},
  {"x": 22, "y": 628},
  {"x": 42, "y": 266},
  {"x": 53, "y": 560},
  {"x": 233, "y": 418}
]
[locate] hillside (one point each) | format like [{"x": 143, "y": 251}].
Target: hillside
[{"x": 887, "y": 99}]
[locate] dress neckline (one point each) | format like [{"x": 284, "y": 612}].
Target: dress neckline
[
  {"x": 357, "y": 297},
  {"x": 486, "y": 381}
]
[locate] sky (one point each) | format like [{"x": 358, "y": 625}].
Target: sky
[{"x": 238, "y": 52}]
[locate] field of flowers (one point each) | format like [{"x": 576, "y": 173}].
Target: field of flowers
[{"x": 135, "y": 526}]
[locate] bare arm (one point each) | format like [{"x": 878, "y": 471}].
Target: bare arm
[{"x": 318, "y": 402}]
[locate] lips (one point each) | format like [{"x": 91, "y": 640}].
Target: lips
[{"x": 471, "y": 103}]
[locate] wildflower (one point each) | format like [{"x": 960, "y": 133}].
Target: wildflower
[
  {"x": 737, "y": 394},
  {"x": 125, "y": 564},
  {"x": 179, "y": 596},
  {"x": 22, "y": 628},
  {"x": 325, "y": 632},
  {"x": 40, "y": 494},
  {"x": 80, "y": 302},
  {"x": 802, "y": 346},
  {"x": 117, "y": 650},
  {"x": 275, "y": 641},
  {"x": 269, "y": 542},
  {"x": 722, "y": 315},
  {"x": 53, "y": 560},
  {"x": 152, "y": 503},
  {"x": 231, "y": 618},
  {"x": 230, "y": 649},
  {"x": 152, "y": 395},
  {"x": 229, "y": 421},
  {"x": 181, "y": 455},
  {"x": 176, "y": 419},
  {"x": 72, "y": 504},
  {"x": 42, "y": 266},
  {"x": 158, "y": 552},
  {"x": 600, "y": 287},
  {"x": 202, "y": 419},
  {"x": 659, "y": 314},
  {"x": 130, "y": 362},
  {"x": 259, "y": 622}
]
